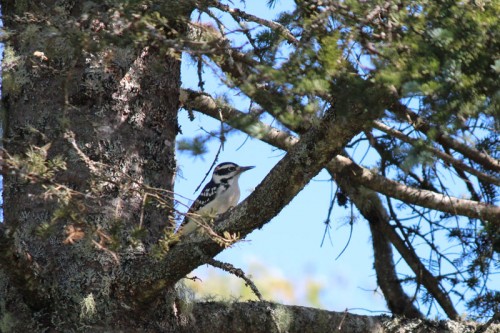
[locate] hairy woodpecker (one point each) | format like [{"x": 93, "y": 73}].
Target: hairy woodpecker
[{"x": 221, "y": 193}]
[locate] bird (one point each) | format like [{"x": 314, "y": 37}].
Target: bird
[{"x": 221, "y": 193}]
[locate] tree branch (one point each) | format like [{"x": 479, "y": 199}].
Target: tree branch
[
  {"x": 268, "y": 317},
  {"x": 424, "y": 198},
  {"x": 423, "y": 126},
  {"x": 442, "y": 155},
  {"x": 429, "y": 199},
  {"x": 235, "y": 12},
  {"x": 237, "y": 272},
  {"x": 257, "y": 317}
]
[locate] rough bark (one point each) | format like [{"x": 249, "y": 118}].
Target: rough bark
[
  {"x": 255, "y": 317},
  {"x": 270, "y": 317},
  {"x": 111, "y": 113}
]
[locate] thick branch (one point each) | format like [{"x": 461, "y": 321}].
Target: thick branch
[
  {"x": 419, "y": 197},
  {"x": 262, "y": 317},
  {"x": 267, "y": 317}
]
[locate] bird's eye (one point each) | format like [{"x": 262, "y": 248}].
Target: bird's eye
[{"x": 232, "y": 169}]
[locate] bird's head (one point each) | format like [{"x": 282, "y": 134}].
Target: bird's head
[{"x": 228, "y": 171}]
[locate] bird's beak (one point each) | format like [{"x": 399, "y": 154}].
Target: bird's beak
[{"x": 245, "y": 168}]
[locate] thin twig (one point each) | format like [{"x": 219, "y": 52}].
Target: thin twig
[
  {"x": 70, "y": 137},
  {"x": 344, "y": 316},
  {"x": 249, "y": 17},
  {"x": 237, "y": 272},
  {"x": 328, "y": 220},
  {"x": 350, "y": 234},
  {"x": 422, "y": 125},
  {"x": 442, "y": 155}
]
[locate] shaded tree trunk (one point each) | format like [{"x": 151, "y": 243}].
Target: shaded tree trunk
[{"x": 111, "y": 114}]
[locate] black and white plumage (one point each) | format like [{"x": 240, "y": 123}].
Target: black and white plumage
[{"x": 221, "y": 193}]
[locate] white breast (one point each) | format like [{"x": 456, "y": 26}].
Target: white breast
[{"x": 227, "y": 197}]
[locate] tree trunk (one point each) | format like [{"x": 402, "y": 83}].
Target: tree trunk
[{"x": 110, "y": 113}]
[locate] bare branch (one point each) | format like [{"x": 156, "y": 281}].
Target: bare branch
[
  {"x": 247, "y": 123},
  {"x": 237, "y": 272},
  {"x": 419, "y": 197},
  {"x": 235, "y": 12},
  {"x": 442, "y": 155},
  {"x": 423, "y": 126}
]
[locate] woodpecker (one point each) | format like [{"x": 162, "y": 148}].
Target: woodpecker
[{"x": 221, "y": 193}]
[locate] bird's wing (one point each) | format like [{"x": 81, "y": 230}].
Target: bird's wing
[
  {"x": 205, "y": 196},
  {"x": 188, "y": 225}
]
